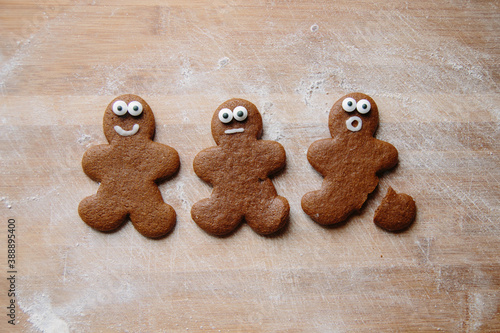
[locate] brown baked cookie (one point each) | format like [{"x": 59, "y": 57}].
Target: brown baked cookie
[
  {"x": 349, "y": 161},
  {"x": 127, "y": 169},
  {"x": 239, "y": 168},
  {"x": 396, "y": 211}
]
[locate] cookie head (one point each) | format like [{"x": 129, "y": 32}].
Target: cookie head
[
  {"x": 128, "y": 117},
  {"x": 236, "y": 119},
  {"x": 354, "y": 113}
]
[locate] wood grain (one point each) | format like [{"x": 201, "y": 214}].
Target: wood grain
[{"x": 431, "y": 66}]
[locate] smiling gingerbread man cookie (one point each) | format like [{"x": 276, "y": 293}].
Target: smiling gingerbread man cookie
[
  {"x": 349, "y": 161},
  {"x": 127, "y": 169},
  {"x": 239, "y": 168}
]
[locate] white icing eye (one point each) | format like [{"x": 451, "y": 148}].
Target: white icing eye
[
  {"x": 240, "y": 113},
  {"x": 364, "y": 106},
  {"x": 135, "y": 108},
  {"x": 225, "y": 115},
  {"x": 354, "y": 120},
  {"x": 349, "y": 104},
  {"x": 120, "y": 108}
]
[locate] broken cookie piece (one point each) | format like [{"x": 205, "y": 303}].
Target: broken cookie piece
[{"x": 396, "y": 212}]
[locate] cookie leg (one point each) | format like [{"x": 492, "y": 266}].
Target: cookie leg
[
  {"x": 326, "y": 208},
  {"x": 216, "y": 216},
  {"x": 101, "y": 214},
  {"x": 153, "y": 219},
  {"x": 267, "y": 219}
]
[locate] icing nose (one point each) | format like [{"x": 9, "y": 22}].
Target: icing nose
[{"x": 354, "y": 124}]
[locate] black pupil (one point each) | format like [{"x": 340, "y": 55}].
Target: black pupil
[
  {"x": 136, "y": 108},
  {"x": 240, "y": 113},
  {"x": 349, "y": 103},
  {"x": 365, "y": 106},
  {"x": 225, "y": 115},
  {"x": 119, "y": 108}
]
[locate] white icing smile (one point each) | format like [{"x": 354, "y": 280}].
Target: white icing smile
[
  {"x": 234, "y": 130},
  {"x": 351, "y": 120},
  {"x": 123, "y": 132}
]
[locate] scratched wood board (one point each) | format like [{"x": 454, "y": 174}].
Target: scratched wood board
[{"x": 431, "y": 66}]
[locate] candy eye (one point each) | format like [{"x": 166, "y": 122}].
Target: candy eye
[
  {"x": 120, "y": 108},
  {"x": 240, "y": 113},
  {"x": 135, "y": 108},
  {"x": 349, "y": 104},
  {"x": 225, "y": 115},
  {"x": 364, "y": 106}
]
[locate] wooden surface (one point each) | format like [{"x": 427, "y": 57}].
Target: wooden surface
[{"x": 431, "y": 66}]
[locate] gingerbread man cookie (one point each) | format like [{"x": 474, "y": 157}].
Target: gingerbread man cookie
[
  {"x": 349, "y": 161},
  {"x": 128, "y": 169},
  {"x": 239, "y": 168}
]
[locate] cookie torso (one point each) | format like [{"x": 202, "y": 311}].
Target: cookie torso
[{"x": 245, "y": 169}]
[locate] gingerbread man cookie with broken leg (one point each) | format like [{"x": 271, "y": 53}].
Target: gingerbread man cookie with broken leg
[
  {"x": 349, "y": 161},
  {"x": 128, "y": 169},
  {"x": 238, "y": 168}
]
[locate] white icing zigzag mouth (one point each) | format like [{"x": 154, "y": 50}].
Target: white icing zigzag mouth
[
  {"x": 234, "y": 130},
  {"x": 123, "y": 132}
]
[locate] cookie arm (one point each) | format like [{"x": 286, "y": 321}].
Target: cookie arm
[
  {"x": 168, "y": 160},
  {"x": 319, "y": 155},
  {"x": 389, "y": 156},
  {"x": 94, "y": 161},
  {"x": 273, "y": 155},
  {"x": 206, "y": 163}
]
